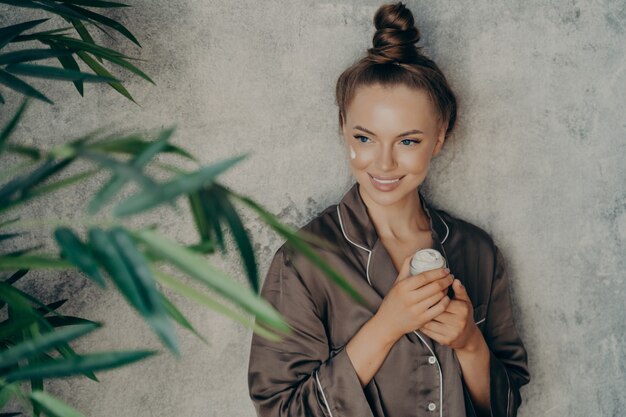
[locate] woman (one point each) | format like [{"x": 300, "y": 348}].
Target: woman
[{"x": 415, "y": 347}]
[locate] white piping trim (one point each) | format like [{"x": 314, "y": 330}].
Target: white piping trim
[
  {"x": 369, "y": 252},
  {"x": 322, "y": 391},
  {"x": 440, "y": 374},
  {"x": 447, "y": 228},
  {"x": 418, "y": 335},
  {"x": 481, "y": 320},
  {"x": 508, "y": 394}
]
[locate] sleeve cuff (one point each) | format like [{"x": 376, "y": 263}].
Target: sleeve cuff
[{"x": 340, "y": 388}]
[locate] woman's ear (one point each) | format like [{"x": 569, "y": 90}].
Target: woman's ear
[{"x": 441, "y": 137}]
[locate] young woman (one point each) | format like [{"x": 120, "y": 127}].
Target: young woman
[{"x": 414, "y": 348}]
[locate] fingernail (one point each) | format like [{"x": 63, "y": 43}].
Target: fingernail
[{"x": 447, "y": 270}]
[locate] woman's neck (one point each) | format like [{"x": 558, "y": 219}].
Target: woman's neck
[{"x": 400, "y": 221}]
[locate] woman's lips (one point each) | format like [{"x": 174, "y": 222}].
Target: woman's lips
[{"x": 385, "y": 185}]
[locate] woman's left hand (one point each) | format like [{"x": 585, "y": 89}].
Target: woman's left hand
[{"x": 454, "y": 327}]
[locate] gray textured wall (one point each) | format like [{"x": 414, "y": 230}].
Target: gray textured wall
[{"x": 538, "y": 161}]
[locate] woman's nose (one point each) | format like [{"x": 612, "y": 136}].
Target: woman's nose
[{"x": 386, "y": 159}]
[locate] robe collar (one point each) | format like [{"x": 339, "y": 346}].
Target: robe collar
[{"x": 359, "y": 229}]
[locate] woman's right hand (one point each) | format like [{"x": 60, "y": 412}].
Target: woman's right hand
[{"x": 414, "y": 300}]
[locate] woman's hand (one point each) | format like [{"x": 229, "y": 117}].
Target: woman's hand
[
  {"x": 455, "y": 326},
  {"x": 413, "y": 300}
]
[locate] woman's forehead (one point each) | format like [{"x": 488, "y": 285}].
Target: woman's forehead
[{"x": 387, "y": 110}]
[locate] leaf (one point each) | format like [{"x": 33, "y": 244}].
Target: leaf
[
  {"x": 8, "y": 129},
  {"x": 56, "y": 73},
  {"x": 212, "y": 213},
  {"x": 27, "y": 55},
  {"x": 195, "y": 295},
  {"x": 121, "y": 168},
  {"x": 20, "y": 302},
  {"x": 20, "y": 86},
  {"x": 154, "y": 312},
  {"x": 296, "y": 240},
  {"x": 42, "y": 343},
  {"x": 68, "y": 62},
  {"x": 182, "y": 184},
  {"x": 74, "y": 250},
  {"x": 195, "y": 265},
  {"x": 108, "y": 255},
  {"x": 23, "y": 184},
  {"x": 100, "y": 70},
  {"x": 77, "y": 364},
  {"x": 178, "y": 317},
  {"x": 241, "y": 236},
  {"x": 8, "y": 33},
  {"x": 134, "y": 144},
  {"x": 115, "y": 184},
  {"x": 49, "y": 188},
  {"x": 105, "y": 21},
  {"x": 96, "y": 3},
  {"x": 33, "y": 262},
  {"x": 53, "y": 406}
]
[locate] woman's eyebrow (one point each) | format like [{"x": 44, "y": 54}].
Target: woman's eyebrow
[{"x": 410, "y": 132}]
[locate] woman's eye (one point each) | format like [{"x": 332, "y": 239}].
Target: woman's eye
[
  {"x": 410, "y": 141},
  {"x": 359, "y": 137}
]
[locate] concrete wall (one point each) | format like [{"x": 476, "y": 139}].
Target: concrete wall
[{"x": 538, "y": 161}]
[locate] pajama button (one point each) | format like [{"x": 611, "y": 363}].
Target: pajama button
[
  {"x": 431, "y": 360},
  {"x": 432, "y": 406}
]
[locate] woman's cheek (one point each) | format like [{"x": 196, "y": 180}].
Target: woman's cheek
[
  {"x": 359, "y": 158},
  {"x": 414, "y": 164}
]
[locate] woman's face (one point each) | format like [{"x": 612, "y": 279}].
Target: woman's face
[{"x": 391, "y": 133}]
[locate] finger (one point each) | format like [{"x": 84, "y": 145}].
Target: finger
[
  {"x": 446, "y": 318},
  {"x": 435, "y": 326},
  {"x": 426, "y": 277},
  {"x": 404, "y": 269},
  {"x": 430, "y": 301},
  {"x": 437, "y": 309},
  {"x": 460, "y": 292},
  {"x": 438, "y": 337},
  {"x": 439, "y": 286}
]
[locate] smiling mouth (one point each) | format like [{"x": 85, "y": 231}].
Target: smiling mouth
[{"x": 386, "y": 181}]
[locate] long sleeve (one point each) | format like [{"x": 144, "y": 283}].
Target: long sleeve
[
  {"x": 298, "y": 376},
  {"x": 508, "y": 361}
]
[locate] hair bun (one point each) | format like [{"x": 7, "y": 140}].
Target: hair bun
[{"x": 396, "y": 35}]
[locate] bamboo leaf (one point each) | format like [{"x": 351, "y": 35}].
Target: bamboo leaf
[
  {"x": 100, "y": 70},
  {"x": 115, "y": 184},
  {"x": 178, "y": 317},
  {"x": 182, "y": 184},
  {"x": 8, "y": 33},
  {"x": 195, "y": 295},
  {"x": 8, "y": 263},
  {"x": 153, "y": 311},
  {"x": 68, "y": 62},
  {"x": 105, "y": 21},
  {"x": 74, "y": 250},
  {"x": 56, "y": 73},
  {"x": 298, "y": 240},
  {"x": 8, "y": 129},
  {"x": 195, "y": 265},
  {"x": 77, "y": 364},
  {"x": 42, "y": 343},
  {"x": 53, "y": 406},
  {"x": 241, "y": 237},
  {"x": 20, "y": 86},
  {"x": 96, "y": 3},
  {"x": 27, "y": 55},
  {"x": 108, "y": 255}
]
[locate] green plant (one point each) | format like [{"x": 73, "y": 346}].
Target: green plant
[{"x": 34, "y": 337}]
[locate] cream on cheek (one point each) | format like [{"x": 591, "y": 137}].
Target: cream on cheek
[{"x": 352, "y": 152}]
